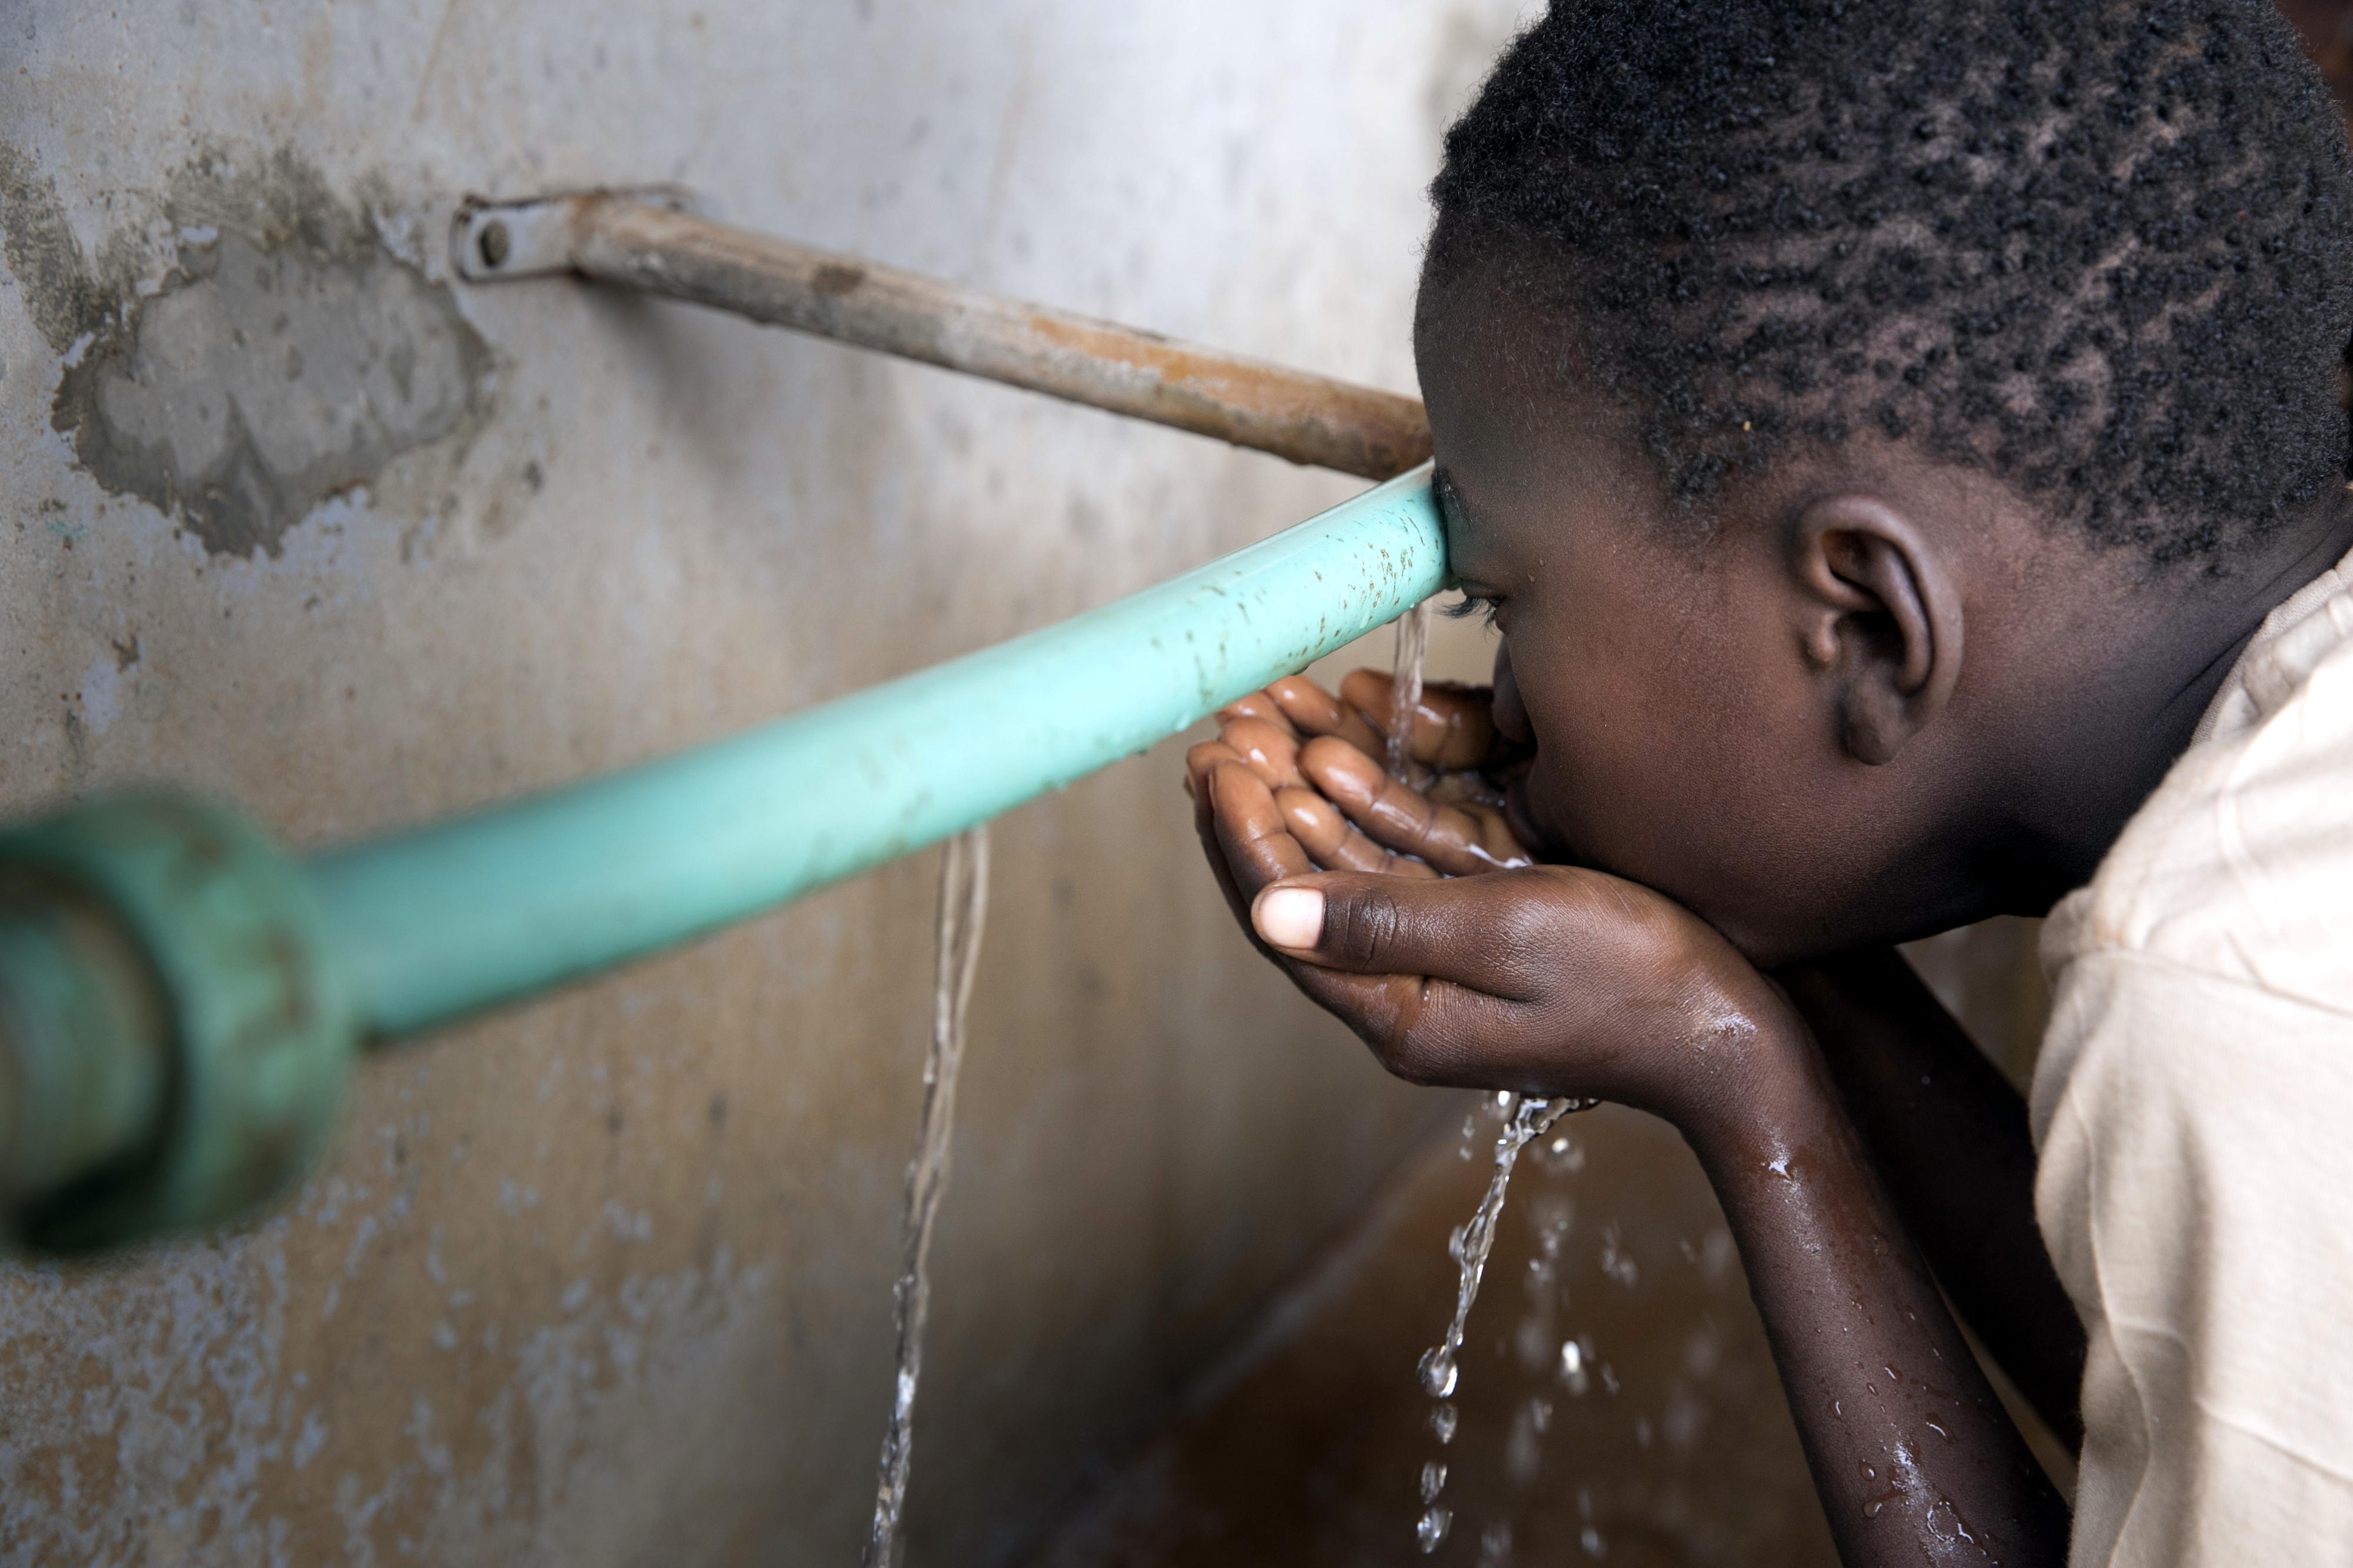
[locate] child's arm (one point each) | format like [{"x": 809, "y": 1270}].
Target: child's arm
[
  {"x": 1949, "y": 1138},
  {"x": 1554, "y": 980}
]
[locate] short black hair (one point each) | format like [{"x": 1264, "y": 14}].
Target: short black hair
[{"x": 2100, "y": 249}]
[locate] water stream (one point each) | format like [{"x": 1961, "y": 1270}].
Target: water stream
[
  {"x": 963, "y": 908},
  {"x": 1412, "y": 651},
  {"x": 1526, "y": 1118}
]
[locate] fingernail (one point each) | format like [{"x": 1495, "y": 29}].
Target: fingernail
[{"x": 1290, "y": 917}]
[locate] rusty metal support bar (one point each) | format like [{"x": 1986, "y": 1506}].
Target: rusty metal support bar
[{"x": 643, "y": 244}]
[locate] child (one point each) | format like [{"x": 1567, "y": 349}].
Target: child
[{"x": 1904, "y": 452}]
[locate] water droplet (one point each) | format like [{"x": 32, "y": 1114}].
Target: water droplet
[
  {"x": 1937, "y": 1427},
  {"x": 1838, "y": 1406},
  {"x": 1443, "y": 1420},
  {"x": 1432, "y": 1528},
  {"x": 1593, "y": 1543},
  {"x": 1870, "y": 1388},
  {"x": 1439, "y": 1373},
  {"x": 1433, "y": 1480},
  {"x": 1561, "y": 1154},
  {"x": 1495, "y": 1544},
  {"x": 1869, "y": 1474},
  {"x": 1503, "y": 1103},
  {"x": 1871, "y": 1509},
  {"x": 1572, "y": 1359}
]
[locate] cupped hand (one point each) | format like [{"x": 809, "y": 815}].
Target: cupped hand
[
  {"x": 1323, "y": 757},
  {"x": 1422, "y": 922}
]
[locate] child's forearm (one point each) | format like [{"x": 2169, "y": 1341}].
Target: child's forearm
[
  {"x": 1913, "y": 1454},
  {"x": 1948, "y": 1136}
]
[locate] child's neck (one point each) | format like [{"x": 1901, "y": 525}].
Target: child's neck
[{"x": 2107, "y": 729}]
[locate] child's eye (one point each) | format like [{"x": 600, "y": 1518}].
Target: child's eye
[{"x": 1484, "y": 606}]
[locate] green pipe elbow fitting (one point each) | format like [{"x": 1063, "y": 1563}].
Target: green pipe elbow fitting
[{"x": 174, "y": 1045}]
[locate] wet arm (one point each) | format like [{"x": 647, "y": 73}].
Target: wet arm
[
  {"x": 1912, "y": 1454},
  {"x": 1552, "y": 980},
  {"x": 1948, "y": 1136}
]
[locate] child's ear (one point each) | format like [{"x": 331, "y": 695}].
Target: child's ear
[{"x": 1881, "y": 621}]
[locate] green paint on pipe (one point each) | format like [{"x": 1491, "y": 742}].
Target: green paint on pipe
[{"x": 442, "y": 921}]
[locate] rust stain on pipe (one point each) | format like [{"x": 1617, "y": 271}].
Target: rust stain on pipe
[{"x": 1309, "y": 419}]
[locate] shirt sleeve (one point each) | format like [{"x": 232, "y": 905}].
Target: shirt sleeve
[{"x": 2196, "y": 1189}]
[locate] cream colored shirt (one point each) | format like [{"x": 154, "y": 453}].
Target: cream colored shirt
[{"x": 2193, "y": 1108}]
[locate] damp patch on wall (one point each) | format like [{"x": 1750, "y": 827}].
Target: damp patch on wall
[{"x": 284, "y": 355}]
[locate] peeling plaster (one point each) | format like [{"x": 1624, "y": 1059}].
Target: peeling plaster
[{"x": 285, "y": 354}]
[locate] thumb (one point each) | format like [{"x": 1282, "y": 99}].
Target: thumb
[{"x": 1370, "y": 924}]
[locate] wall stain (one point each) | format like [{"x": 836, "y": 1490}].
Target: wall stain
[{"x": 285, "y": 356}]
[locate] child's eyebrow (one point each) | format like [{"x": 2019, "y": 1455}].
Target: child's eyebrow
[
  {"x": 1450, "y": 500},
  {"x": 1452, "y": 514},
  {"x": 1453, "y": 511}
]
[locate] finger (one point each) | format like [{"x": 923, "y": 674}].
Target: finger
[
  {"x": 1436, "y": 1032},
  {"x": 1390, "y": 1012},
  {"x": 1446, "y": 929},
  {"x": 1412, "y": 968},
  {"x": 1334, "y": 843},
  {"x": 1461, "y": 841},
  {"x": 1247, "y": 851},
  {"x": 1205, "y": 824},
  {"x": 1453, "y": 724},
  {"x": 1198, "y": 760},
  {"x": 1257, "y": 705},
  {"x": 1538, "y": 980},
  {"x": 1250, "y": 829},
  {"x": 1272, "y": 753},
  {"x": 1316, "y": 711}
]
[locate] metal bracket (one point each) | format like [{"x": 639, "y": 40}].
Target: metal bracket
[{"x": 537, "y": 237}]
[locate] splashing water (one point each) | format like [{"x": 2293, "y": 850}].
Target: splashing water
[
  {"x": 1526, "y": 1118},
  {"x": 963, "y": 908},
  {"x": 1412, "y": 650}
]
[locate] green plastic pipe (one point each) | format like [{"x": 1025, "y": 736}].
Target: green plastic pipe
[
  {"x": 442, "y": 921},
  {"x": 181, "y": 1000}
]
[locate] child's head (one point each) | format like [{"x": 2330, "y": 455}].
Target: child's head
[{"x": 1773, "y": 346}]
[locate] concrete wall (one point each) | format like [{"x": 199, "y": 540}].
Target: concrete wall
[{"x": 606, "y": 1280}]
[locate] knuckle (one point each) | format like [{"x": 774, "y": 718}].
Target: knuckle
[
  {"x": 1524, "y": 924},
  {"x": 1363, "y": 927}
]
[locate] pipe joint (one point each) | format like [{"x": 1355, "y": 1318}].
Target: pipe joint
[{"x": 173, "y": 1043}]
